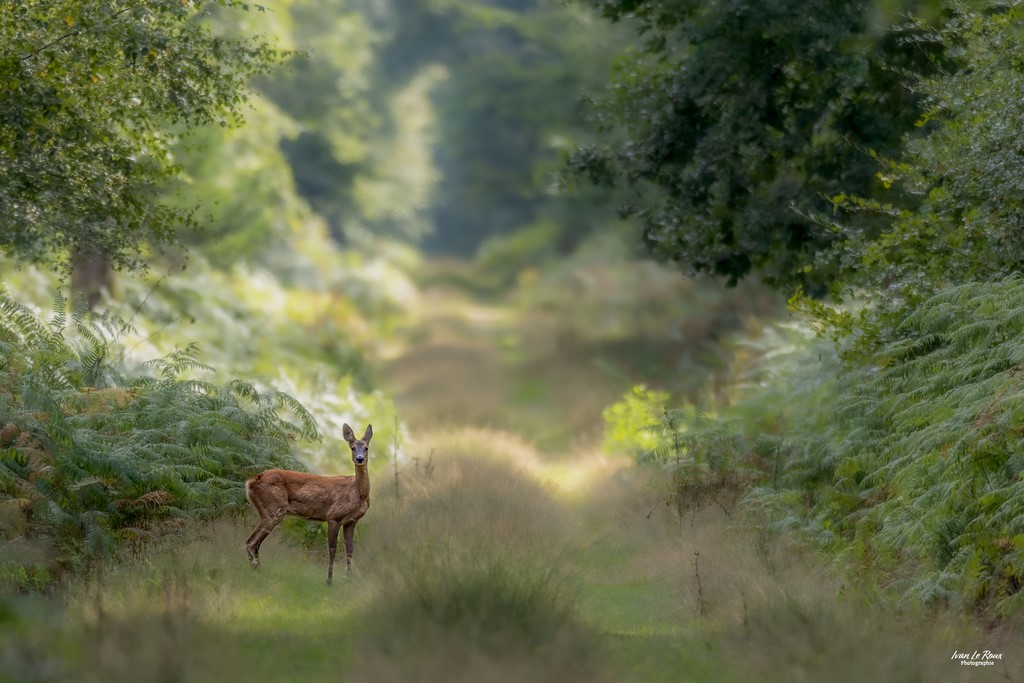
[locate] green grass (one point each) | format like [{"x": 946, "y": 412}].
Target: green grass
[
  {"x": 520, "y": 554},
  {"x": 191, "y": 612},
  {"x": 484, "y": 572}
]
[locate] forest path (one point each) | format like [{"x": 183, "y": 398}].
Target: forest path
[
  {"x": 465, "y": 360},
  {"x": 508, "y": 549},
  {"x": 473, "y": 377},
  {"x": 708, "y": 596}
]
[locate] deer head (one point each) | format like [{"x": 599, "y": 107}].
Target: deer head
[{"x": 360, "y": 447}]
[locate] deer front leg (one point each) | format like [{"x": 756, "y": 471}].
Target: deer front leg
[
  {"x": 349, "y": 536},
  {"x": 332, "y": 545}
]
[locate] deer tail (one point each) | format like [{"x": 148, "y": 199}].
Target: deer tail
[{"x": 248, "y": 487}]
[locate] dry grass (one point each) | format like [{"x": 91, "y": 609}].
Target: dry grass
[
  {"x": 442, "y": 383},
  {"x": 503, "y": 559},
  {"x": 466, "y": 506},
  {"x": 485, "y": 570},
  {"x": 762, "y": 608},
  {"x": 467, "y": 572}
]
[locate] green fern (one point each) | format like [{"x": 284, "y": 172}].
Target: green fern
[
  {"x": 921, "y": 463},
  {"x": 99, "y": 458}
]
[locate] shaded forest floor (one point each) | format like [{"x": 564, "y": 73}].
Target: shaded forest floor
[{"x": 508, "y": 548}]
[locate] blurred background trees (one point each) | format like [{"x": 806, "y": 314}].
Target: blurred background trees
[{"x": 93, "y": 98}]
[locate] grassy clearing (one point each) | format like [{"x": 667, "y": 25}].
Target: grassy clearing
[
  {"x": 543, "y": 357},
  {"x": 486, "y": 571},
  {"x": 190, "y": 612},
  {"x": 513, "y": 551}
]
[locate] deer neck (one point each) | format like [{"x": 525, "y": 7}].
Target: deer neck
[{"x": 363, "y": 481}]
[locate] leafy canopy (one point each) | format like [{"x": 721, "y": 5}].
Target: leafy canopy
[
  {"x": 92, "y": 96},
  {"x": 739, "y": 119},
  {"x": 966, "y": 171}
]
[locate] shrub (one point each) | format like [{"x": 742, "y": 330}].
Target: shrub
[
  {"x": 91, "y": 458},
  {"x": 918, "y": 471}
]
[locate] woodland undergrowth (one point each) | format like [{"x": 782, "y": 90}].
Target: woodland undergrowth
[
  {"x": 903, "y": 464},
  {"x": 97, "y": 455}
]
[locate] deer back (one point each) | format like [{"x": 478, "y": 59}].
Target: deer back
[{"x": 311, "y": 496}]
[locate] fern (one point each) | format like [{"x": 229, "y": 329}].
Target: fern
[
  {"x": 95, "y": 467},
  {"x": 920, "y": 464}
]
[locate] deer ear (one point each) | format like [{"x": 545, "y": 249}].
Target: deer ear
[
  {"x": 369, "y": 433},
  {"x": 347, "y": 432}
]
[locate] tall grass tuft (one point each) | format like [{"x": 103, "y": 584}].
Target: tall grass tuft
[
  {"x": 471, "y": 621},
  {"x": 467, "y": 574}
]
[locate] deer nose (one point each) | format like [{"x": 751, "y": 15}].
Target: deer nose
[{"x": 360, "y": 459}]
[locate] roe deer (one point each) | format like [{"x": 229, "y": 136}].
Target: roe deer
[{"x": 341, "y": 501}]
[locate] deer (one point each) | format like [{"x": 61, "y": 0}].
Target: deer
[{"x": 341, "y": 501}]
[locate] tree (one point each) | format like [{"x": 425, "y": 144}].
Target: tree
[
  {"x": 340, "y": 111},
  {"x": 508, "y": 109},
  {"x": 93, "y": 94},
  {"x": 966, "y": 171},
  {"x": 742, "y": 119}
]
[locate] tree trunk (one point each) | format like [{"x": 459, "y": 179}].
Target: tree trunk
[{"x": 91, "y": 274}]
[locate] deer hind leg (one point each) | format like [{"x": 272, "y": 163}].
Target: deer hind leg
[
  {"x": 263, "y": 529},
  {"x": 333, "y": 526},
  {"x": 349, "y": 544},
  {"x": 253, "y": 549},
  {"x": 262, "y": 510}
]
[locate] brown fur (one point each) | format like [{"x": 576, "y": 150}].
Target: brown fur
[{"x": 341, "y": 501}]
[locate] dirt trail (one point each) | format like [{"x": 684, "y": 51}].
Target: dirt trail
[
  {"x": 464, "y": 361},
  {"x": 448, "y": 366}
]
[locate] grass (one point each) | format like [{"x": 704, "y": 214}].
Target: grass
[
  {"x": 486, "y": 571},
  {"x": 516, "y": 552}
]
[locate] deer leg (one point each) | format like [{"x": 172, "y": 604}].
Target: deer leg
[
  {"x": 349, "y": 534},
  {"x": 255, "y": 532},
  {"x": 333, "y": 526},
  {"x": 260, "y": 534},
  {"x": 252, "y": 544},
  {"x": 254, "y": 559}
]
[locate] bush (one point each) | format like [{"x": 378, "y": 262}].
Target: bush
[
  {"x": 92, "y": 459},
  {"x": 918, "y": 471}
]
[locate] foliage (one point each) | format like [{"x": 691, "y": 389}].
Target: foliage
[
  {"x": 740, "y": 118},
  {"x": 250, "y": 208},
  {"x": 92, "y": 458},
  {"x": 604, "y": 295},
  {"x": 906, "y": 467},
  {"x": 92, "y": 98},
  {"x": 897, "y": 447},
  {"x": 702, "y": 454},
  {"x": 338, "y": 119},
  {"x": 919, "y": 471},
  {"x": 628, "y": 422},
  {"x": 905, "y": 464},
  {"x": 506, "y": 112},
  {"x": 503, "y": 260},
  {"x": 966, "y": 170}
]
